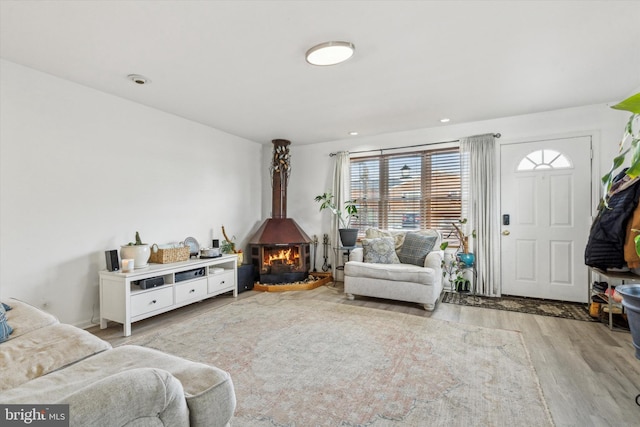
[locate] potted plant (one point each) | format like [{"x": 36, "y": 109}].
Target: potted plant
[
  {"x": 138, "y": 251},
  {"x": 348, "y": 236},
  {"x": 453, "y": 271},
  {"x": 228, "y": 246},
  {"x": 629, "y": 295},
  {"x": 468, "y": 258}
]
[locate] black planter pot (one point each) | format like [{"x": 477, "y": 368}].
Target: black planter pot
[
  {"x": 348, "y": 236},
  {"x": 462, "y": 286},
  {"x": 631, "y": 301}
]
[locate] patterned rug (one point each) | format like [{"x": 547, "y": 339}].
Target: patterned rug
[
  {"x": 317, "y": 363},
  {"x": 542, "y": 307}
]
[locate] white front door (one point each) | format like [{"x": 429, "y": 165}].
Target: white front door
[{"x": 546, "y": 194}]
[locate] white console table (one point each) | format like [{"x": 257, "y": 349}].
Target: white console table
[{"x": 122, "y": 301}]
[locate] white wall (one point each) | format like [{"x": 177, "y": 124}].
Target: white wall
[
  {"x": 312, "y": 168},
  {"x": 81, "y": 171}
]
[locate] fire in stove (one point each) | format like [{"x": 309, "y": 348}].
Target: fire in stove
[
  {"x": 283, "y": 256},
  {"x": 276, "y": 260}
]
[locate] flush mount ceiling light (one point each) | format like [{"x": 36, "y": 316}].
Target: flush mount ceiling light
[
  {"x": 330, "y": 53},
  {"x": 445, "y": 120},
  {"x": 138, "y": 79}
]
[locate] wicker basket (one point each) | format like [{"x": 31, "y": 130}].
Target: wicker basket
[{"x": 167, "y": 256}]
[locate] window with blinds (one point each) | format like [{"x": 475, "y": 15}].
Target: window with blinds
[{"x": 407, "y": 191}]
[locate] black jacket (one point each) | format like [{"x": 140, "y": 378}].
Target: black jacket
[{"x": 605, "y": 247}]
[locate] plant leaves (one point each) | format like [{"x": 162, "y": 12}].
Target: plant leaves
[
  {"x": 630, "y": 104},
  {"x": 608, "y": 178},
  {"x": 629, "y": 127},
  {"x": 350, "y": 208},
  {"x": 634, "y": 168}
]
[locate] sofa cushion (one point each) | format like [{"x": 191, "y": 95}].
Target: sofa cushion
[
  {"x": 380, "y": 250},
  {"x": 391, "y": 272},
  {"x": 25, "y": 318},
  {"x": 45, "y": 350},
  {"x": 415, "y": 248},
  {"x": 397, "y": 236},
  {"x": 5, "y": 328}
]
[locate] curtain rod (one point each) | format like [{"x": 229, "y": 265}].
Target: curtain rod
[{"x": 495, "y": 135}]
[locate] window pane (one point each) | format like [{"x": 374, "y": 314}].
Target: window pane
[
  {"x": 536, "y": 157},
  {"x": 404, "y": 192},
  {"x": 526, "y": 165},
  {"x": 561, "y": 162},
  {"x": 548, "y": 156},
  {"x": 446, "y": 194},
  {"x": 365, "y": 188},
  {"x": 365, "y": 180}
]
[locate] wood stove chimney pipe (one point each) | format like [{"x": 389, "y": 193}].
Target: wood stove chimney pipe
[{"x": 280, "y": 169}]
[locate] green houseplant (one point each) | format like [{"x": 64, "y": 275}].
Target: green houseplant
[
  {"x": 453, "y": 270},
  {"x": 462, "y": 237},
  {"x": 463, "y": 253},
  {"x": 137, "y": 251},
  {"x": 628, "y": 144},
  {"x": 348, "y": 236}
]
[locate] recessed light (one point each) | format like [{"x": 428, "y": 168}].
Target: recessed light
[
  {"x": 445, "y": 120},
  {"x": 138, "y": 79},
  {"x": 353, "y": 133},
  {"x": 330, "y": 53}
]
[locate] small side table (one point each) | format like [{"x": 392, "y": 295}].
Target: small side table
[
  {"x": 468, "y": 271},
  {"x": 473, "y": 273},
  {"x": 341, "y": 252}
]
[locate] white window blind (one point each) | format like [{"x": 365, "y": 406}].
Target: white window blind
[{"x": 407, "y": 191}]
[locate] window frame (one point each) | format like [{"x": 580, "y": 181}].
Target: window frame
[{"x": 435, "y": 191}]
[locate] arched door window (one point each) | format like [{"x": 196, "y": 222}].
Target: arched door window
[{"x": 544, "y": 160}]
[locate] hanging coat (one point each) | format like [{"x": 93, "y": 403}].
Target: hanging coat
[{"x": 605, "y": 247}]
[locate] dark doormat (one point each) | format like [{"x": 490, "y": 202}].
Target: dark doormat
[{"x": 542, "y": 307}]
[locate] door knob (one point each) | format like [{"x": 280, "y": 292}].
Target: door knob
[{"x": 506, "y": 232}]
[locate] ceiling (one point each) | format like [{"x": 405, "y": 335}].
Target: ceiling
[{"x": 239, "y": 66}]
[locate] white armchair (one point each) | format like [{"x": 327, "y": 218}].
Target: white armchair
[{"x": 416, "y": 276}]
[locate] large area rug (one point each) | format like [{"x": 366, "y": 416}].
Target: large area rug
[
  {"x": 542, "y": 307},
  {"x": 316, "y": 363}
]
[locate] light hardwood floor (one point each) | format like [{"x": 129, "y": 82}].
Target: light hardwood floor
[{"x": 588, "y": 374}]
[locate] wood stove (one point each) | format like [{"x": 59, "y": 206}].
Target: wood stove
[{"x": 280, "y": 249}]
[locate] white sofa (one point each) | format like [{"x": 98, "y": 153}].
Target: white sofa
[
  {"x": 48, "y": 362},
  {"x": 421, "y": 284}
]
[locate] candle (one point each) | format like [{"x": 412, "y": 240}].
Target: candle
[{"x": 127, "y": 265}]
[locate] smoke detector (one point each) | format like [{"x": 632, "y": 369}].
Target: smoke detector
[{"x": 138, "y": 79}]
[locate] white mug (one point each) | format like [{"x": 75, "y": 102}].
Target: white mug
[{"x": 127, "y": 265}]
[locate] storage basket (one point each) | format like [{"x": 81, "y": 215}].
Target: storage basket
[{"x": 167, "y": 256}]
